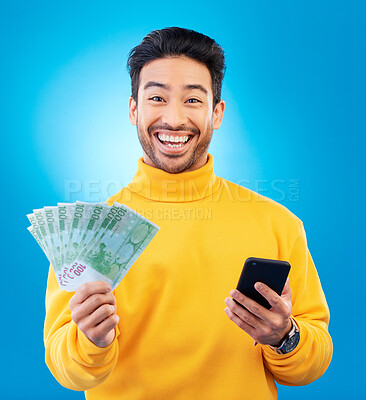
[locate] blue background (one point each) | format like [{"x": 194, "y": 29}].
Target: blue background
[{"x": 294, "y": 130}]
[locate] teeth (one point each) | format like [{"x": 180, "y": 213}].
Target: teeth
[
  {"x": 173, "y": 139},
  {"x": 174, "y": 145}
]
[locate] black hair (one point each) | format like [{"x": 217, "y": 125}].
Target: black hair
[{"x": 173, "y": 42}]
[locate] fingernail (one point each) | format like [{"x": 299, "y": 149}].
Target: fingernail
[
  {"x": 258, "y": 285},
  {"x": 108, "y": 288},
  {"x": 234, "y": 294}
]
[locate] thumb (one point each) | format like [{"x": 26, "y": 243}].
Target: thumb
[{"x": 286, "y": 292}]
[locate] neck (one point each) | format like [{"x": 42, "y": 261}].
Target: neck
[{"x": 191, "y": 185}]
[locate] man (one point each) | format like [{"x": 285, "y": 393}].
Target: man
[{"x": 165, "y": 332}]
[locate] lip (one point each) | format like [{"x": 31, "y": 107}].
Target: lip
[{"x": 172, "y": 150}]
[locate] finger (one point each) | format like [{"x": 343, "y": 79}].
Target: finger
[
  {"x": 242, "y": 313},
  {"x": 102, "y": 313},
  {"x": 96, "y": 300},
  {"x": 287, "y": 292},
  {"x": 91, "y": 304},
  {"x": 239, "y": 322},
  {"x": 104, "y": 328},
  {"x": 88, "y": 289},
  {"x": 251, "y": 305},
  {"x": 272, "y": 297},
  {"x": 98, "y": 316},
  {"x": 287, "y": 287}
]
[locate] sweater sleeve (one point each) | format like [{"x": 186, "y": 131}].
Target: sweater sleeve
[
  {"x": 72, "y": 358},
  {"x": 309, "y": 360}
]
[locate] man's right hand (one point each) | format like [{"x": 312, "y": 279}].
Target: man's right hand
[{"x": 93, "y": 309}]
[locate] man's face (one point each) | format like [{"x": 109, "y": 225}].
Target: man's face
[{"x": 174, "y": 114}]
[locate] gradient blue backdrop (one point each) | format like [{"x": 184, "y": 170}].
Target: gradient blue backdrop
[{"x": 294, "y": 125}]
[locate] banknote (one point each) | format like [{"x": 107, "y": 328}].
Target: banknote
[
  {"x": 84, "y": 221},
  {"x": 50, "y": 214},
  {"x": 115, "y": 246},
  {"x": 65, "y": 215},
  {"x": 38, "y": 224},
  {"x": 78, "y": 272},
  {"x": 90, "y": 241},
  {"x": 95, "y": 215},
  {"x": 82, "y": 214}
]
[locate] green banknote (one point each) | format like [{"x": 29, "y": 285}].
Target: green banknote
[
  {"x": 114, "y": 248},
  {"x": 39, "y": 225},
  {"x": 95, "y": 214},
  {"x": 86, "y": 219},
  {"x": 70, "y": 274},
  {"x": 50, "y": 214},
  {"x": 65, "y": 215},
  {"x": 90, "y": 241},
  {"x": 77, "y": 227}
]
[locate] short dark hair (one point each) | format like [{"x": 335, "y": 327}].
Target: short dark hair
[{"x": 173, "y": 42}]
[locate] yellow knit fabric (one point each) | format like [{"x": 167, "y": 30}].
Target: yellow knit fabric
[{"x": 174, "y": 340}]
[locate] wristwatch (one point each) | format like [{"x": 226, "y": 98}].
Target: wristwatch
[{"x": 290, "y": 341}]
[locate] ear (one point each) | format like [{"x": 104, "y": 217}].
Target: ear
[
  {"x": 218, "y": 114},
  {"x": 132, "y": 114}
]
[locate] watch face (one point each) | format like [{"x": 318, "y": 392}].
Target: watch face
[{"x": 292, "y": 342}]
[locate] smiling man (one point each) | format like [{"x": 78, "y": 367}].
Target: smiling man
[
  {"x": 165, "y": 332},
  {"x": 174, "y": 115}
]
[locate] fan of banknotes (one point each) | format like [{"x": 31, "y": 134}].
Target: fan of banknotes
[{"x": 87, "y": 242}]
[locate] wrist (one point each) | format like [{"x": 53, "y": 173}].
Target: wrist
[
  {"x": 284, "y": 334},
  {"x": 290, "y": 341}
]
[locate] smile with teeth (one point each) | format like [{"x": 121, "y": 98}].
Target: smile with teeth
[{"x": 173, "y": 141}]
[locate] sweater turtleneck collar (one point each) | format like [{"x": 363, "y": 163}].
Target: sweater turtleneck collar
[{"x": 158, "y": 185}]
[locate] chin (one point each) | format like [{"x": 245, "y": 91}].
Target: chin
[{"x": 174, "y": 166}]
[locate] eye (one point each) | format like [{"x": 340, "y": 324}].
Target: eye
[
  {"x": 193, "y": 101},
  {"x": 156, "y": 98}
]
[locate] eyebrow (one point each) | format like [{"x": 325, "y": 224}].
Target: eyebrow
[{"x": 168, "y": 87}]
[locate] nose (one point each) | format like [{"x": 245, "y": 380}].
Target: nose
[{"x": 174, "y": 114}]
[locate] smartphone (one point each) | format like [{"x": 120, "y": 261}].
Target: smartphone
[{"x": 271, "y": 272}]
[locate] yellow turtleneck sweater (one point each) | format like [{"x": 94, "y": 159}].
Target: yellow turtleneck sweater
[{"x": 174, "y": 340}]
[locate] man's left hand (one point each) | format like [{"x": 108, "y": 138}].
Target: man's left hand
[{"x": 267, "y": 327}]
